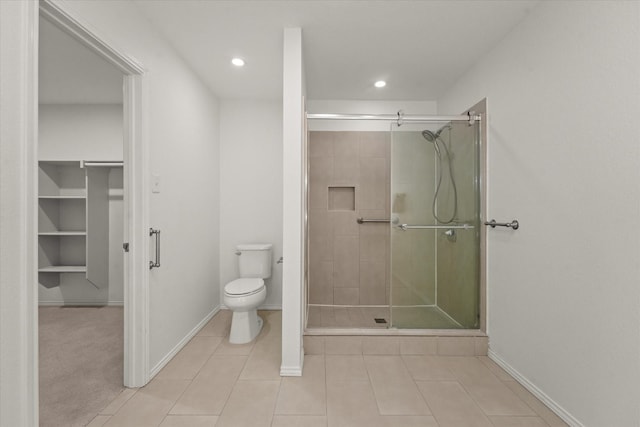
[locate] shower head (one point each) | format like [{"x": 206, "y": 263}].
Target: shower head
[{"x": 432, "y": 136}]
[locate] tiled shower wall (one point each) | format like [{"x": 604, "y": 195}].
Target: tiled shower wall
[{"x": 348, "y": 178}]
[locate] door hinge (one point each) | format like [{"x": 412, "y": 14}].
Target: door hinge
[{"x": 125, "y": 246}]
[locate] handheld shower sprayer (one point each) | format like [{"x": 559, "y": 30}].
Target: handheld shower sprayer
[{"x": 434, "y": 137}]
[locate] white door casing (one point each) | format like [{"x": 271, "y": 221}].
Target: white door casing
[{"x": 136, "y": 277}]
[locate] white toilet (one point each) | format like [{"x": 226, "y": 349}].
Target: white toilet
[{"x": 244, "y": 295}]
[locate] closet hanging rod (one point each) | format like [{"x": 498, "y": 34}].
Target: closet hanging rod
[
  {"x": 393, "y": 117},
  {"x": 102, "y": 164}
]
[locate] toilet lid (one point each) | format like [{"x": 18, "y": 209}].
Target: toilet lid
[{"x": 244, "y": 286}]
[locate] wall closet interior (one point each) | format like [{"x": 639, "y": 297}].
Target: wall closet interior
[{"x": 80, "y": 203}]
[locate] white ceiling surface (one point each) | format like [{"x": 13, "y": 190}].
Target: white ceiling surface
[
  {"x": 419, "y": 47},
  {"x": 70, "y": 73}
]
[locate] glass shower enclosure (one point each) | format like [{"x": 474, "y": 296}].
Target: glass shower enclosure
[
  {"x": 393, "y": 226},
  {"x": 435, "y": 226}
]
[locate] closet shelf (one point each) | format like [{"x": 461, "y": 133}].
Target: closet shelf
[
  {"x": 63, "y": 233},
  {"x": 63, "y": 269},
  {"x": 63, "y": 197}
]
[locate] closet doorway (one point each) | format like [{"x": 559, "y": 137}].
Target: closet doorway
[{"x": 90, "y": 206}]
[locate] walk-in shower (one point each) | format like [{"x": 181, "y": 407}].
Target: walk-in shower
[{"x": 393, "y": 223}]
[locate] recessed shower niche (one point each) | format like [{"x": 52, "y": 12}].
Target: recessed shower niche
[{"x": 342, "y": 198}]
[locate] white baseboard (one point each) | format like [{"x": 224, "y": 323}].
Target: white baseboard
[
  {"x": 293, "y": 371},
  {"x": 167, "y": 358},
  {"x": 81, "y": 303},
  {"x": 542, "y": 396},
  {"x": 270, "y": 307}
]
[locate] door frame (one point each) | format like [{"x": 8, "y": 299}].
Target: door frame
[{"x": 136, "y": 204}]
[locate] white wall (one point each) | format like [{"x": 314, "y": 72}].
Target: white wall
[
  {"x": 80, "y": 132},
  {"x": 183, "y": 132},
  {"x": 251, "y": 186},
  {"x": 563, "y": 95}
]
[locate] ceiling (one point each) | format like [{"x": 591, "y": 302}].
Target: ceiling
[{"x": 419, "y": 47}]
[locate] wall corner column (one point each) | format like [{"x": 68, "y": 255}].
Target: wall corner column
[
  {"x": 18, "y": 213},
  {"x": 293, "y": 208}
]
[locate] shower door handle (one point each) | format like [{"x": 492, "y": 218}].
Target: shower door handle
[
  {"x": 156, "y": 262},
  {"x": 513, "y": 224}
]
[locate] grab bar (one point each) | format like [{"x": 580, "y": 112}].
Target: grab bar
[
  {"x": 405, "y": 227},
  {"x": 155, "y": 263},
  {"x": 513, "y": 224},
  {"x": 362, "y": 220}
]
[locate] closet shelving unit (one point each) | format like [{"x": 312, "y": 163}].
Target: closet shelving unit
[{"x": 73, "y": 220}]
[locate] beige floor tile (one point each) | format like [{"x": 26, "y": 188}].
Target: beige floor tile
[
  {"x": 409, "y": 421},
  {"x": 345, "y": 368},
  {"x": 261, "y": 394},
  {"x": 226, "y": 348},
  {"x": 120, "y": 400},
  {"x": 517, "y": 421},
  {"x": 380, "y": 345},
  {"x": 150, "y": 404},
  {"x": 395, "y": 391},
  {"x": 210, "y": 389},
  {"x": 272, "y": 327},
  {"x": 263, "y": 362},
  {"x": 189, "y": 421},
  {"x": 538, "y": 407},
  {"x": 187, "y": 363},
  {"x": 352, "y": 404},
  {"x": 299, "y": 421},
  {"x": 456, "y": 346},
  {"x": 305, "y": 395},
  {"x": 470, "y": 370},
  {"x": 481, "y": 345},
  {"x": 495, "y": 369},
  {"x": 498, "y": 399},
  {"x": 428, "y": 368},
  {"x": 218, "y": 326},
  {"x": 419, "y": 345},
  {"x": 313, "y": 345},
  {"x": 343, "y": 345},
  {"x": 300, "y": 397},
  {"x": 99, "y": 421},
  {"x": 451, "y": 405}
]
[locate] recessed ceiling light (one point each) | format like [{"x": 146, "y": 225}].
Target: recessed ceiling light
[
  {"x": 238, "y": 62},
  {"x": 380, "y": 83}
]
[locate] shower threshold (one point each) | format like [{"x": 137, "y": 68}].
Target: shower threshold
[
  {"x": 375, "y": 320},
  {"x": 395, "y": 332}
]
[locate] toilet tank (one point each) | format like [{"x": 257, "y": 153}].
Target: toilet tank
[{"x": 255, "y": 260}]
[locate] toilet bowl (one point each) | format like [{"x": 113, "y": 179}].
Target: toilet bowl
[{"x": 243, "y": 296}]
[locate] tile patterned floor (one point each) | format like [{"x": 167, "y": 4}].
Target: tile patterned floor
[{"x": 213, "y": 383}]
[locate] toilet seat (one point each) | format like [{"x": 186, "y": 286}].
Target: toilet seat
[{"x": 244, "y": 287}]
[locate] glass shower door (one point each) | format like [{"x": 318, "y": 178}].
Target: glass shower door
[{"x": 435, "y": 230}]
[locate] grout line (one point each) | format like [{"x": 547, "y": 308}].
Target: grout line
[{"x": 416, "y": 385}]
